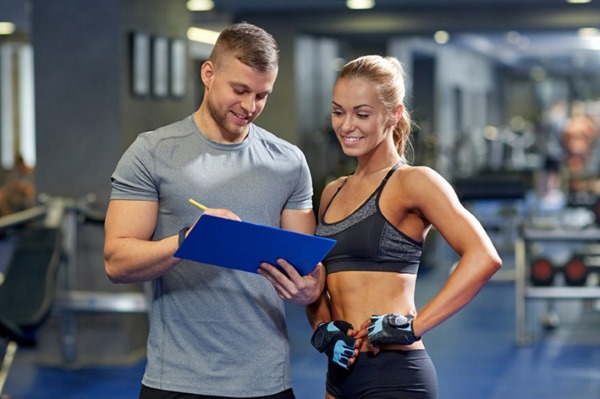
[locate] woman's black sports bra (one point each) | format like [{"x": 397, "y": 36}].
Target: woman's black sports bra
[{"x": 366, "y": 241}]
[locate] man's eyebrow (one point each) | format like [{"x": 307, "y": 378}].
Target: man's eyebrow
[
  {"x": 240, "y": 85},
  {"x": 245, "y": 87}
]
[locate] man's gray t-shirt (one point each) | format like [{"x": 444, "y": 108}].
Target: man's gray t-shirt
[{"x": 215, "y": 331}]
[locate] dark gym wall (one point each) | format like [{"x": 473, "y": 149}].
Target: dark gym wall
[{"x": 86, "y": 115}]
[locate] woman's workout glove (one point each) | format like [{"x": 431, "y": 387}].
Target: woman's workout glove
[
  {"x": 391, "y": 329},
  {"x": 332, "y": 339}
]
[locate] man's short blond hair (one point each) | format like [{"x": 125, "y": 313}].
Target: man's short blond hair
[{"x": 249, "y": 44}]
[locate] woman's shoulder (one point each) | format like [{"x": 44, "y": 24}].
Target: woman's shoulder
[
  {"x": 330, "y": 189},
  {"x": 333, "y": 185},
  {"x": 410, "y": 173},
  {"x": 418, "y": 180}
]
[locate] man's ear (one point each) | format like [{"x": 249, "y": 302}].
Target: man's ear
[{"x": 207, "y": 73}]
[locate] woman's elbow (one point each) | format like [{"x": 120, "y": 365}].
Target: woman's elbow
[{"x": 494, "y": 263}]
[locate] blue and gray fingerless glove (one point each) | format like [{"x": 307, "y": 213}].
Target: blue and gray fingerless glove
[
  {"x": 332, "y": 339},
  {"x": 391, "y": 329}
]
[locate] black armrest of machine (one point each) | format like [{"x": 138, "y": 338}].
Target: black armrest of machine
[{"x": 28, "y": 287}]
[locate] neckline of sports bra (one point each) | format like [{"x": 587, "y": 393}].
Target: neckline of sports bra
[{"x": 365, "y": 202}]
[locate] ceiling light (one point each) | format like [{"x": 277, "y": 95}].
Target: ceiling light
[
  {"x": 200, "y": 5},
  {"x": 590, "y": 38},
  {"x": 360, "y": 4},
  {"x": 579, "y": 1},
  {"x": 7, "y": 28},
  {"x": 587, "y": 32},
  {"x": 441, "y": 37},
  {"x": 202, "y": 35},
  {"x": 490, "y": 132}
]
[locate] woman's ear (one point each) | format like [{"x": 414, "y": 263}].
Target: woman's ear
[
  {"x": 399, "y": 111},
  {"x": 396, "y": 115}
]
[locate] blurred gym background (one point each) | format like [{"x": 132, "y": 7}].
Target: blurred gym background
[{"x": 505, "y": 99}]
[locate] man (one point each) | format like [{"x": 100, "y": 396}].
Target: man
[{"x": 214, "y": 332}]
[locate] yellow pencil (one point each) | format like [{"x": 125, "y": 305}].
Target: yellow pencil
[{"x": 196, "y": 203}]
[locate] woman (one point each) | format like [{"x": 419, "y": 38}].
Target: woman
[{"x": 380, "y": 216}]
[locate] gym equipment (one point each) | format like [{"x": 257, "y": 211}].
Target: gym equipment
[
  {"x": 526, "y": 249},
  {"x": 28, "y": 289},
  {"x": 39, "y": 242},
  {"x": 541, "y": 272},
  {"x": 596, "y": 211},
  {"x": 576, "y": 271}
]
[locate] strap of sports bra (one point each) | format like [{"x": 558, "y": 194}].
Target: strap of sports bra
[
  {"x": 334, "y": 195},
  {"x": 379, "y": 188},
  {"x": 377, "y": 192},
  {"x": 389, "y": 174}
]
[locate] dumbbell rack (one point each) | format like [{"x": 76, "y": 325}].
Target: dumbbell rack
[{"x": 525, "y": 292}]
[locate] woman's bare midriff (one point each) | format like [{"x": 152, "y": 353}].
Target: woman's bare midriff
[{"x": 357, "y": 295}]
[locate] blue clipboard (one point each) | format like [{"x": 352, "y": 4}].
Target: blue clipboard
[{"x": 244, "y": 246}]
